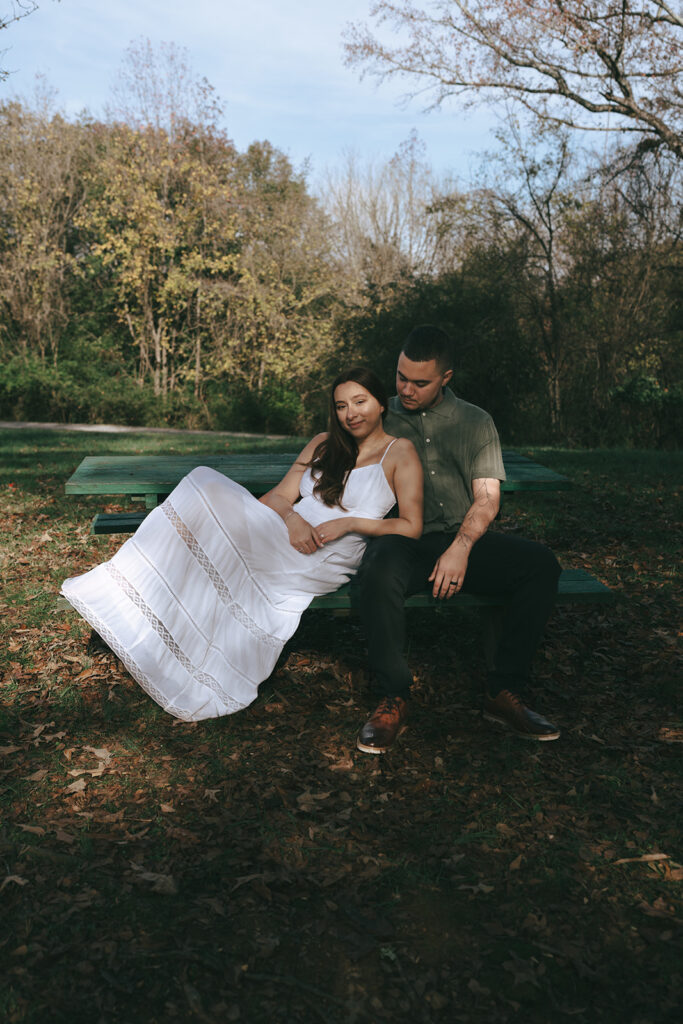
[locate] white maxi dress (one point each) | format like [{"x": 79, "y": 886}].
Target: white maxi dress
[{"x": 200, "y": 601}]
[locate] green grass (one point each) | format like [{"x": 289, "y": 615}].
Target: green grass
[{"x": 464, "y": 877}]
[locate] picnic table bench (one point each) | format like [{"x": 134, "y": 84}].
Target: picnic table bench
[{"x": 150, "y": 478}]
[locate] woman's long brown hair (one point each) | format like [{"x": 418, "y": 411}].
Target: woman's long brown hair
[{"x": 335, "y": 457}]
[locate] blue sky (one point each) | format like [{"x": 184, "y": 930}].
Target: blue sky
[{"x": 277, "y": 67}]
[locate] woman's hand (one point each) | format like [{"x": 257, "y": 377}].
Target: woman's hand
[
  {"x": 302, "y": 536},
  {"x": 333, "y": 529}
]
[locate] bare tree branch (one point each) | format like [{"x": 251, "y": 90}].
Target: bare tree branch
[
  {"x": 18, "y": 9},
  {"x": 599, "y": 65}
]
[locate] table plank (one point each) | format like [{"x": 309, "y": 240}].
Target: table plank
[
  {"x": 575, "y": 586},
  {"x": 154, "y": 476}
]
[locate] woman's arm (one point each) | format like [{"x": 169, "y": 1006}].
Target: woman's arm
[
  {"x": 404, "y": 472},
  {"x": 283, "y": 496}
]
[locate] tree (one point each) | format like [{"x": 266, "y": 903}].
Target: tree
[
  {"x": 531, "y": 202},
  {"x": 278, "y": 333},
  {"x": 157, "y": 88},
  {"x": 159, "y": 217},
  {"x": 386, "y": 225},
  {"x": 576, "y": 62},
  {"x": 41, "y": 163},
  {"x": 159, "y": 225},
  {"x": 624, "y": 249}
]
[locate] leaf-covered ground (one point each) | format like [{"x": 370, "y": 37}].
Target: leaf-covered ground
[{"x": 258, "y": 868}]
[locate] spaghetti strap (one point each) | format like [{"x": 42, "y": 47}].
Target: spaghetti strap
[{"x": 387, "y": 449}]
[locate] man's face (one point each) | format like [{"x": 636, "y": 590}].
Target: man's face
[{"x": 420, "y": 385}]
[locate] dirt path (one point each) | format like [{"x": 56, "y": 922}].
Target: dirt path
[{"x": 109, "y": 428}]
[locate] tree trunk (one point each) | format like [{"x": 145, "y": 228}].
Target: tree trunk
[{"x": 198, "y": 349}]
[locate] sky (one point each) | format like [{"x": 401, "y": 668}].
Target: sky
[{"x": 277, "y": 67}]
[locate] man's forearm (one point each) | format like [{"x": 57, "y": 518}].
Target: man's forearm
[
  {"x": 480, "y": 515},
  {"x": 449, "y": 572}
]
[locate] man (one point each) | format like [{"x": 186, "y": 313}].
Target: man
[{"x": 463, "y": 466}]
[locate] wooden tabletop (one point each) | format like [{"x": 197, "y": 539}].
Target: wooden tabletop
[{"x": 153, "y": 476}]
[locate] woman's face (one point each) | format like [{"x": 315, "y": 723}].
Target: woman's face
[{"x": 358, "y": 411}]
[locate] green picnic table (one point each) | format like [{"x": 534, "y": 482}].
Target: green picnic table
[{"x": 150, "y": 478}]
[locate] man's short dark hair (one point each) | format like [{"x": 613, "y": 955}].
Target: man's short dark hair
[{"x": 428, "y": 342}]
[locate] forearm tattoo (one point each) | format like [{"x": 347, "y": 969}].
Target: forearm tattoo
[{"x": 480, "y": 515}]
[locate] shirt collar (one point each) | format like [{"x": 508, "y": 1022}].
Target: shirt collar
[{"x": 446, "y": 407}]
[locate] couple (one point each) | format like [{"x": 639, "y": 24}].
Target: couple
[{"x": 199, "y": 603}]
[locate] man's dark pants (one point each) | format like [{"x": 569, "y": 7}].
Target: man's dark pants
[{"x": 522, "y": 571}]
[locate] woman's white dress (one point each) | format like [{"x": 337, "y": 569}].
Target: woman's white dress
[{"x": 200, "y": 601}]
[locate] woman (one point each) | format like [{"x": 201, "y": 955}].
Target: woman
[{"x": 200, "y": 601}]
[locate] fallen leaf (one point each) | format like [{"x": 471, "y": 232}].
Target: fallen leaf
[
  {"x": 645, "y": 858},
  {"x": 660, "y": 908},
  {"x": 478, "y": 990},
  {"x": 35, "y": 830},
  {"x": 345, "y": 765},
  {"x": 160, "y": 883},
  {"x": 41, "y": 728},
  {"x": 87, "y": 673},
  {"x": 245, "y": 879},
  {"x": 76, "y": 787},
  {"x": 670, "y": 734},
  {"x": 308, "y": 801},
  {"x": 516, "y": 864},
  {"x": 94, "y": 772},
  {"x": 13, "y": 878},
  {"x": 101, "y": 753}
]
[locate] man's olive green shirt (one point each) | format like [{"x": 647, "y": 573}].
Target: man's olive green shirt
[{"x": 457, "y": 443}]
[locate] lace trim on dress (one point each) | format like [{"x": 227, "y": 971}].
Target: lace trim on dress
[
  {"x": 140, "y": 677},
  {"x": 236, "y": 551},
  {"x": 162, "y": 632},
  {"x": 219, "y": 584}
]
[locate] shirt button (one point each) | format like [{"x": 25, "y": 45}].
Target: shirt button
[
  {"x": 440, "y": 504},
  {"x": 427, "y": 439},
  {"x": 424, "y": 413},
  {"x": 433, "y": 471}
]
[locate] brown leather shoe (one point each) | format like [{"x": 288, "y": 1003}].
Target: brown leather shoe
[
  {"x": 508, "y": 710},
  {"x": 383, "y": 726}
]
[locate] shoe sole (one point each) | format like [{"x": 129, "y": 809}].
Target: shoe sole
[
  {"x": 366, "y": 749},
  {"x": 536, "y": 737}
]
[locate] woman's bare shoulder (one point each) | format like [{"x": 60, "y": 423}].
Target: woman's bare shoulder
[
  {"x": 306, "y": 454},
  {"x": 402, "y": 457},
  {"x": 402, "y": 446}
]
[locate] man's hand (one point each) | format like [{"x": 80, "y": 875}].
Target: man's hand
[{"x": 448, "y": 575}]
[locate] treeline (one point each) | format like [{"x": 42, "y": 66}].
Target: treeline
[{"x": 150, "y": 273}]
